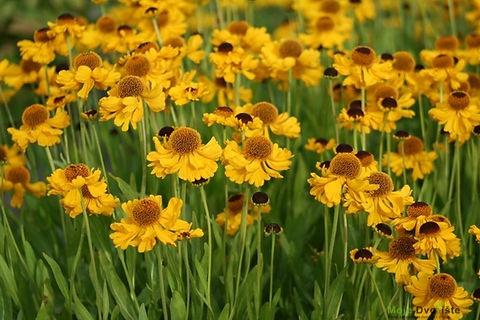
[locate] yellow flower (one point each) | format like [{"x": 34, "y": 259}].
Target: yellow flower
[
  {"x": 437, "y": 238},
  {"x": 124, "y": 103},
  {"x": 474, "y": 230},
  {"x": 67, "y": 25},
  {"x": 229, "y": 61},
  {"x": 320, "y": 145},
  {"x": 364, "y": 255},
  {"x": 240, "y": 33},
  {"x": 46, "y": 43},
  {"x": 327, "y": 31},
  {"x": 281, "y": 124},
  {"x": 148, "y": 222},
  {"x": 88, "y": 73},
  {"x": 414, "y": 158},
  {"x": 258, "y": 161},
  {"x": 17, "y": 178},
  {"x": 186, "y": 90},
  {"x": 438, "y": 293},
  {"x": 183, "y": 152},
  {"x": 11, "y": 156},
  {"x": 80, "y": 186},
  {"x": 401, "y": 259},
  {"x": 362, "y": 68},
  {"x": 341, "y": 174},
  {"x": 38, "y": 127},
  {"x": 288, "y": 56},
  {"x": 234, "y": 218},
  {"x": 417, "y": 215},
  {"x": 384, "y": 204},
  {"x": 460, "y": 114}
]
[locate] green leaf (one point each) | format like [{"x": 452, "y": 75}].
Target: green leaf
[
  {"x": 5, "y": 304},
  {"x": 117, "y": 288},
  {"x": 58, "y": 275},
  {"x": 142, "y": 314},
  {"x": 178, "y": 310},
  {"x": 46, "y": 311},
  {"x": 126, "y": 188},
  {"x": 105, "y": 299},
  {"x": 8, "y": 279},
  {"x": 79, "y": 309},
  {"x": 225, "y": 312},
  {"x": 335, "y": 295}
]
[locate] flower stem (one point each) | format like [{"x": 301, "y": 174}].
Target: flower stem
[
  {"x": 272, "y": 255},
  {"x": 363, "y": 105},
  {"x": 162, "y": 282},
  {"x": 259, "y": 261},
  {"x": 209, "y": 239},
  {"x": 334, "y": 113},
  {"x": 7, "y": 108},
  {"x": 143, "y": 139},
  {"x": 377, "y": 290}
]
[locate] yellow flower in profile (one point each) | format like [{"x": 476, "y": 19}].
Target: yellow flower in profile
[
  {"x": 258, "y": 161},
  {"x": 11, "y": 156},
  {"x": 147, "y": 222},
  {"x": 417, "y": 214},
  {"x": 281, "y": 124},
  {"x": 436, "y": 237},
  {"x": 414, "y": 158},
  {"x": 474, "y": 230},
  {"x": 320, "y": 145},
  {"x": 234, "y": 218},
  {"x": 445, "y": 69},
  {"x": 438, "y": 293},
  {"x": 183, "y": 153},
  {"x": 88, "y": 73},
  {"x": 384, "y": 204},
  {"x": 327, "y": 31},
  {"x": 80, "y": 186},
  {"x": 38, "y": 127},
  {"x": 185, "y": 90},
  {"x": 288, "y": 56},
  {"x": 341, "y": 174},
  {"x": 124, "y": 103},
  {"x": 460, "y": 114},
  {"x": 230, "y": 61},
  {"x": 362, "y": 68},
  {"x": 44, "y": 47},
  {"x": 364, "y": 255},
  {"x": 402, "y": 260},
  {"x": 17, "y": 178}
]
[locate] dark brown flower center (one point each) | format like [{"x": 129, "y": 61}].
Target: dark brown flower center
[
  {"x": 175, "y": 42},
  {"x": 106, "y": 24},
  {"x": 137, "y": 65},
  {"x": 458, "y": 100},
  {"x": 419, "y": 209},
  {"x": 185, "y": 140},
  {"x": 260, "y": 198},
  {"x": 72, "y": 171},
  {"x": 130, "y": 86},
  {"x": 244, "y": 117},
  {"x": 429, "y": 228},
  {"x": 224, "y": 111},
  {"x": 363, "y": 56},
  {"x": 325, "y": 24},
  {"x": 18, "y": 174},
  {"x": 29, "y": 66},
  {"x": 363, "y": 254},
  {"x": 145, "y": 46},
  {"x": 448, "y": 43},
  {"x": 162, "y": 19},
  {"x": 34, "y": 115},
  {"x": 386, "y": 92},
  {"x": 238, "y": 27},
  {"x": 402, "y": 248},
  {"x": 146, "y": 212},
  {"x": 89, "y": 59},
  {"x": 43, "y": 35},
  {"x": 290, "y": 48},
  {"x": 403, "y": 61},
  {"x": 225, "y": 47},
  {"x": 330, "y": 6},
  {"x": 384, "y": 182},
  {"x": 411, "y": 146},
  {"x": 384, "y": 229},
  {"x": 443, "y": 61},
  {"x": 259, "y": 148},
  {"x": 473, "y": 40},
  {"x": 266, "y": 111},
  {"x": 443, "y": 286},
  {"x": 389, "y": 103},
  {"x": 65, "y": 18},
  {"x": 366, "y": 158},
  {"x": 346, "y": 164},
  {"x": 235, "y": 203}
]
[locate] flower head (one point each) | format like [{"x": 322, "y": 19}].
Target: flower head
[
  {"x": 148, "y": 222},
  {"x": 183, "y": 152},
  {"x": 79, "y": 186},
  {"x": 17, "y": 178},
  {"x": 437, "y": 238},
  {"x": 439, "y": 293},
  {"x": 38, "y": 127},
  {"x": 258, "y": 161}
]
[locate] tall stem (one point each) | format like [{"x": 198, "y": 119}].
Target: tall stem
[{"x": 209, "y": 239}]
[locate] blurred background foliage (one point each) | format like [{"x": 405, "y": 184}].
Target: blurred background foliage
[{"x": 20, "y": 18}]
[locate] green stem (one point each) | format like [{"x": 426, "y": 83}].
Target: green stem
[
  {"x": 162, "y": 282},
  {"x": 363, "y": 105},
  {"x": 143, "y": 139},
  {"x": 379, "y": 294},
  {"x": 209, "y": 239},
  {"x": 334, "y": 113},
  {"x": 157, "y": 31},
  {"x": 7, "y": 108},
  {"x": 272, "y": 255},
  {"x": 259, "y": 261}
]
